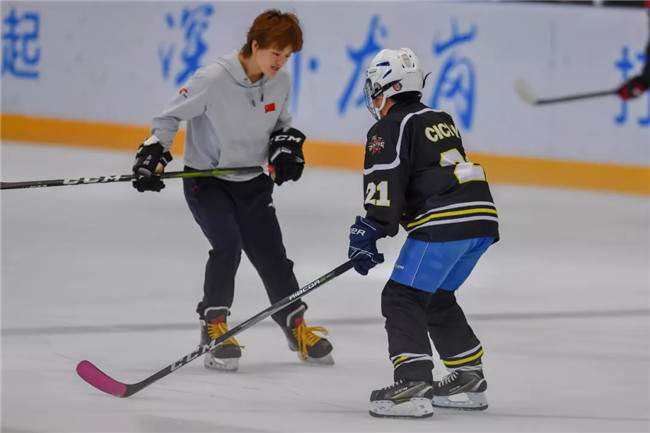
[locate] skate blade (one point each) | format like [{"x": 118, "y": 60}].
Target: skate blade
[
  {"x": 223, "y": 364},
  {"x": 324, "y": 360},
  {"x": 414, "y": 408},
  {"x": 472, "y": 401}
]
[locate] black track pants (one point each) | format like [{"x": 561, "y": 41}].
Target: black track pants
[{"x": 237, "y": 216}]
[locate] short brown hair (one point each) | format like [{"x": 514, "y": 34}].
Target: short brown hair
[{"x": 274, "y": 29}]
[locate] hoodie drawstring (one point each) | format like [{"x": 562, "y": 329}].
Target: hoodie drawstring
[{"x": 251, "y": 96}]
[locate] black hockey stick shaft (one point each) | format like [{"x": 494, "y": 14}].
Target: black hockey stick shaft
[
  {"x": 523, "y": 90},
  {"x": 575, "y": 97},
  {"x": 105, "y": 383},
  {"x": 130, "y": 177}
]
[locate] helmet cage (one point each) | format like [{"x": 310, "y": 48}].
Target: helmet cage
[{"x": 372, "y": 91}]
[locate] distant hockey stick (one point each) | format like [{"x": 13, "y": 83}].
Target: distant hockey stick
[
  {"x": 130, "y": 177},
  {"x": 103, "y": 382},
  {"x": 523, "y": 90}
]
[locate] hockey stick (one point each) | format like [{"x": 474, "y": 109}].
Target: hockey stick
[
  {"x": 523, "y": 90},
  {"x": 103, "y": 382},
  {"x": 129, "y": 177}
]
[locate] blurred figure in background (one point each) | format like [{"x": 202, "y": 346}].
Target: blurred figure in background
[
  {"x": 416, "y": 174},
  {"x": 237, "y": 113},
  {"x": 638, "y": 85}
]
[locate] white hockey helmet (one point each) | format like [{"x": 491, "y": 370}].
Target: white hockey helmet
[{"x": 392, "y": 72}]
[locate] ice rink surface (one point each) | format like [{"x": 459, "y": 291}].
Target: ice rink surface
[{"x": 104, "y": 273}]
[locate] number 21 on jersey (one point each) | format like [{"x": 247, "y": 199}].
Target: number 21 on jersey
[
  {"x": 465, "y": 171},
  {"x": 380, "y": 191}
]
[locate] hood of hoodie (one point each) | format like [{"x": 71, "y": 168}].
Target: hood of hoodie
[{"x": 230, "y": 62}]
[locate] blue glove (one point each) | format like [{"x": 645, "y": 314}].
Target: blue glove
[{"x": 363, "y": 245}]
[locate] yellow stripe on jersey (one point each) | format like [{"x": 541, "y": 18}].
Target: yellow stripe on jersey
[{"x": 452, "y": 213}]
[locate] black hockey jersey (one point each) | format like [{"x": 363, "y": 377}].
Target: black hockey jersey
[{"x": 416, "y": 174}]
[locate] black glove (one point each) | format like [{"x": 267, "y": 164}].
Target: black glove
[
  {"x": 632, "y": 88},
  {"x": 285, "y": 154},
  {"x": 150, "y": 161},
  {"x": 363, "y": 245}
]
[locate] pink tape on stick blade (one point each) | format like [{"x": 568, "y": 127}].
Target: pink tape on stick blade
[{"x": 99, "y": 380}]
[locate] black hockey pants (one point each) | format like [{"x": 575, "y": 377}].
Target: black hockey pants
[
  {"x": 236, "y": 216},
  {"x": 412, "y": 316}
]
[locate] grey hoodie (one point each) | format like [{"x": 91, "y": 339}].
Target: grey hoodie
[{"x": 229, "y": 119}]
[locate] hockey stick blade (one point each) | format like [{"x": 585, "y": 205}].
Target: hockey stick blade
[
  {"x": 523, "y": 90},
  {"x": 103, "y": 382},
  {"x": 130, "y": 177}
]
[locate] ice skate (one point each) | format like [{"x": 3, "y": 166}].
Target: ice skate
[
  {"x": 226, "y": 355},
  {"x": 403, "y": 399},
  {"x": 463, "y": 389},
  {"x": 301, "y": 338}
]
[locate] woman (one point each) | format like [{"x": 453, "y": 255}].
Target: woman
[{"x": 237, "y": 113}]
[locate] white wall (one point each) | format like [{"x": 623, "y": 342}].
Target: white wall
[{"x": 100, "y": 61}]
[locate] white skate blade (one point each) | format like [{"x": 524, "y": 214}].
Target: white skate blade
[
  {"x": 463, "y": 401},
  {"x": 225, "y": 364},
  {"x": 414, "y": 408},
  {"x": 324, "y": 360}
]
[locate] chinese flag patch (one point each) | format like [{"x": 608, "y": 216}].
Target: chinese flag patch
[{"x": 269, "y": 107}]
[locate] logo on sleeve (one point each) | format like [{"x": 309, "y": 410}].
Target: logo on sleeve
[
  {"x": 183, "y": 92},
  {"x": 376, "y": 145},
  {"x": 269, "y": 107}
]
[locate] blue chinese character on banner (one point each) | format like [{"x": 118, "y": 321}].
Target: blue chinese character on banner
[
  {"x": 296, "y": 75},
  {"x": 192, "y": 22},
  {"x": 360, "y": 58},
  {"x": 626, "y": 65},
  {"x": 21, "y": 53},
  {"x": 456, "y": 79}
]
